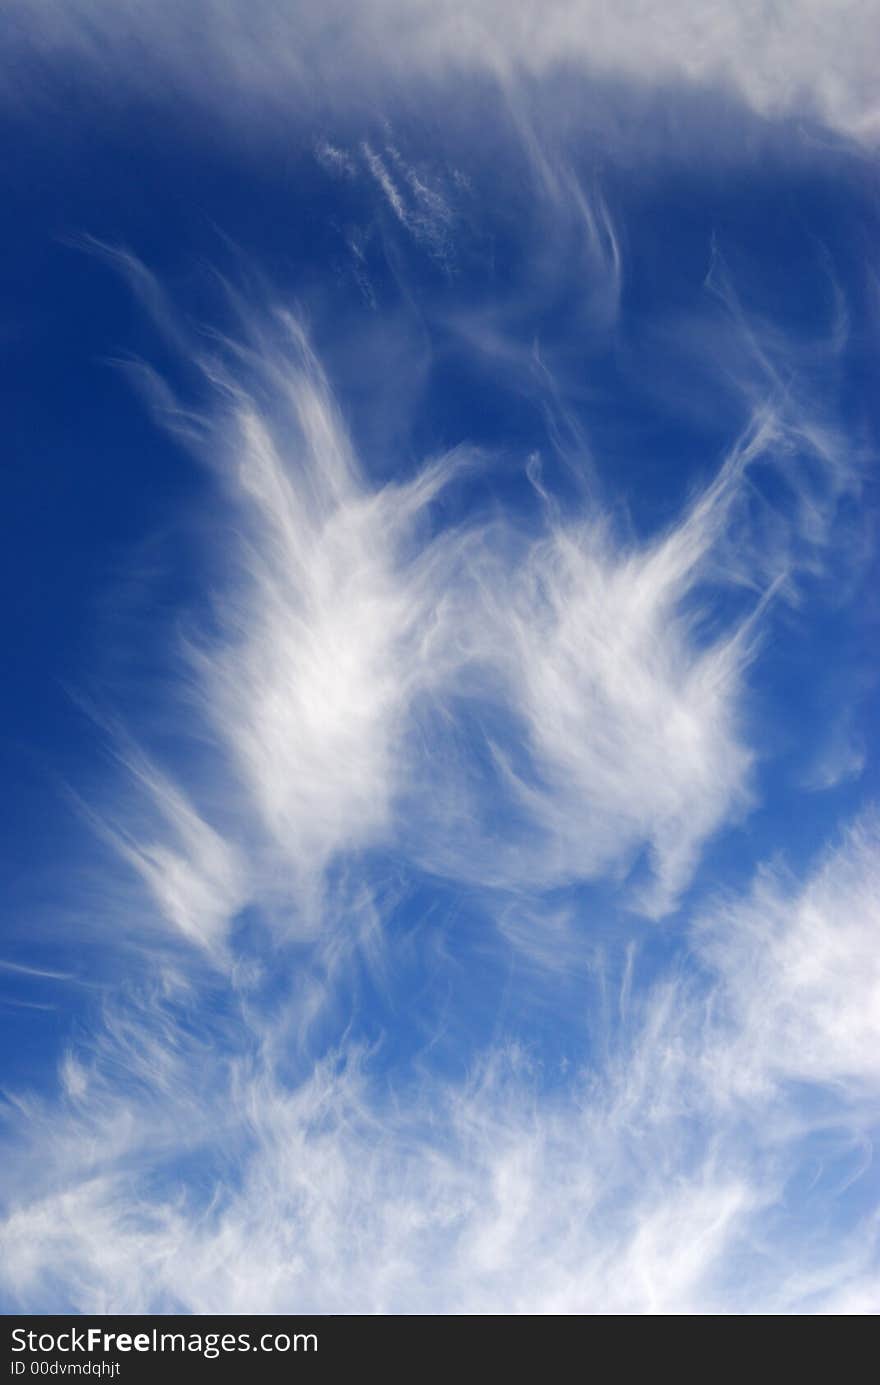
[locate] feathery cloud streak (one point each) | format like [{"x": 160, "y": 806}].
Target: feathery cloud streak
[
  {"x": 354, "y": 633},
  {"x": 808, "y": 59},
  {"x": 645, "y": 1189}
]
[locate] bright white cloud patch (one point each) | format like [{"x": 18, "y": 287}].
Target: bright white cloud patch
[
  {"x": 635, "y": 1192},
  {"x": 804, "y": 59},
  {"x": 801, "y": 972}
]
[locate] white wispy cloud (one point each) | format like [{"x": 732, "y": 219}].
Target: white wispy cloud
[
  {"x": 808, "y": 59},
  {"x": 631, "y": 720},
  {"x": 639, "y": 1188},
  {"x": 196, "y": 879},
  {"x": 842, "y": 757},
  {"x": 421, "y": 209},
  {"x": 814, "y": 1016},
  {"x": 376, "y": 678}
]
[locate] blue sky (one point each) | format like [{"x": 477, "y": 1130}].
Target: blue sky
[{"x": 439, "y": 729}]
